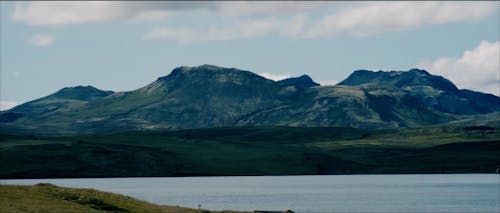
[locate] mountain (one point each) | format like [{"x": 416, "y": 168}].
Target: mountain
[
  {"x": 82, "y": 93},
  {"x": 194, "y": 97},
  {"x": 400, "y": 79},
  {"x": 210, "y": 96},
  {"x": 434, "y": 91},
  {"x": 65, "y": 99},
  {"x": 302, "y": 82}
]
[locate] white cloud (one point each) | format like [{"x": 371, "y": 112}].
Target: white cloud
[
  {"x": 58, "y": 13},
  {"x": 42, "y": 40},
  {"x": 328, "y": 82},
  {"x": 294, "y": 26},
  {"x": 378, "y": 17},
  {"x": 150, "y": 15},
  {"x": 62, "y": 13},
  {"x": 477, "y": 69},
  {"x": 238, "y": 30},
  {"x": 5, "y": 105},
  {"x": 275, "y": 77},
  {"x": 252, "y": 8}
]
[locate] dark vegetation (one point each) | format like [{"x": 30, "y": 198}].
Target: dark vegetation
[
  {"x": 251, "y": 151},
  {"x": 478, "y": 128}
]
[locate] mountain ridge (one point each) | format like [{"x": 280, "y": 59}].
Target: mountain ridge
[
  {"x": 413, "y": 77},
  {"x": 211, "y": 96},
  {"x": 301, "y": 82}
]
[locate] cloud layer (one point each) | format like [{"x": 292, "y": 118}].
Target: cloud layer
[
  {"x": 477, "y": 69},
  {"x": 379, "y": 17},
  {"x": 59, "y": 13},
  {"x": 63, "y": 13},
  {"x": 257, "y": 19},
  {"x": 238, "y": 30},
  {"x": 355, "y": 20}
]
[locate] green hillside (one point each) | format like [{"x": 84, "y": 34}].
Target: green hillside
[
  {"x": 209, "y": 96},
  {"x": 252, "y": 151},
  {"x": 50, "y": 198}
]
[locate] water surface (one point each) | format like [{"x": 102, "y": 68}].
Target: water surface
[{"x": 329, "y": 193}]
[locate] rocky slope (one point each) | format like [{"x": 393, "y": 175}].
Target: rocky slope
[{"x": 210, "y": 96}]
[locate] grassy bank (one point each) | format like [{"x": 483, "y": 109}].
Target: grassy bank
[
  {"x": 51, "y": 198},
  {"x": 252, "y": 151}
]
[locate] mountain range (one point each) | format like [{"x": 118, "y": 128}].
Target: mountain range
[{"x": 209, "y": 96}]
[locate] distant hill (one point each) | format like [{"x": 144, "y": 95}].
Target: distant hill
[
  {"x": 210, "y": 96},
  {"x": 302, "y": 82}
]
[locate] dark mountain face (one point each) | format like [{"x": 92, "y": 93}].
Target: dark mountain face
[
  {"x": 195, "y": 97},
  {"x": 207, "y": 81},
  {"x": 211, "y": 96},
  {"x": 435, "y": 91},
  {"x": 400, "y": 79},
  {"x": 302, "y": 82}
]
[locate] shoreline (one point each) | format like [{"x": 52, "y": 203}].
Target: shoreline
[
  {"x": 265, "y": 193},
  {"x": 215, "y": 176},
  {"x": 48, "y": 197}
]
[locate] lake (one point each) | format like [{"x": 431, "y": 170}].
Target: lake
[{"x": 328, "y": 193}]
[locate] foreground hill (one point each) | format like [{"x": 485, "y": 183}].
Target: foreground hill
[
  {"x": 51, "y": 198},
  {"x": 253, "y": 151},
  {"x": 209, "y": 96}
]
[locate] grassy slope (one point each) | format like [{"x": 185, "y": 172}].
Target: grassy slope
[
  {"x": 252, "y": 151},
  {"x": 51, "y": 198}
]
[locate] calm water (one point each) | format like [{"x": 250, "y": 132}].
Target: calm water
[{"x": 333, "y": 193}]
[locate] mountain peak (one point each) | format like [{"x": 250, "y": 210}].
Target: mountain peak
[
  {"x": 301, "y": 82},
  {"x": 83, "y": 93},
  {"x": 208, "y": 71},
  {"x": 305, "y": 77},
  {"x": 209, "y": 77},
  {"x": 209, "y": 67},
  {"x": 420, "y": 71},
  {"x": 400, "y": 79},
  {"x": 204, "y": 67},
  {"x": 359, "y": 77},
  {"x": 80, "y": 88}
]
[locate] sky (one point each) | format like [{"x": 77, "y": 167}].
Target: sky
[{"x": 122, "y": 46}]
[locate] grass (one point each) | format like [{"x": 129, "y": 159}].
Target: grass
[
  {"x": 50, "y": 198},
  {"x": 415, "y": 138},
  {"x": 251, "y": 151}
]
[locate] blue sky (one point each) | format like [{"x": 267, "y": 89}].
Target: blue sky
[{"x": 119, "y": 46}]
